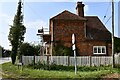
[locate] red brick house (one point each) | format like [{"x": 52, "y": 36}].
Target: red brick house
[{"x": 92, "y": 37}]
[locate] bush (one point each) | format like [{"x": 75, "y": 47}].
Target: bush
[
  {"x": 53, "y": 66},
  {"x": 27, "y": 50},
  {"x": 117, "y": 66},
  {"x": 60, "y": 50}
]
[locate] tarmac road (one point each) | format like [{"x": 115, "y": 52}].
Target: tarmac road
[{"x": 4, "y": 60}]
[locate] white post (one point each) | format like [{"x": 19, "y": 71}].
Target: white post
[
  {"x": 73, "y": 47},
  {"x": 75, "y": 62}
]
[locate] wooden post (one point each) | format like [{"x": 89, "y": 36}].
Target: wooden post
[
  {"x": 90, "y": 60},
  {"x": 68, "y": 60},
  {"x": 34, "y": 60},
  {"x": 48, "y": 59},
  {"x": 113, "y": 60}
]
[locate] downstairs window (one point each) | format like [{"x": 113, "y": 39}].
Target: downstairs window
[{"x": 99, "y": 49}]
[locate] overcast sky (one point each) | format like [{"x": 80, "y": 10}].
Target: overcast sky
[{"x": 37, "y": 15}]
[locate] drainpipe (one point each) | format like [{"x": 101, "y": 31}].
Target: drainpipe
[{"x": 51, "y": 38}]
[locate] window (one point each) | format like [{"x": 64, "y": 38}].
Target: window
[{"x": 99, "y": 49}]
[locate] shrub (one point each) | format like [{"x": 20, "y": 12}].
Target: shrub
[
  {"x": 42, "y": 65},
  {"x": 27, "y": 50},
  {"x": 60, "y": 50}
]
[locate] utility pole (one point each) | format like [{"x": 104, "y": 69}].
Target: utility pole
[{"x": 113, "y": 60}]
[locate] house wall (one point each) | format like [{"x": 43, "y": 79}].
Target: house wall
[
  {"x": 63, "y": 30},
  {"x": 62, "y": 34},
  {"x": 86, "y": 48}
]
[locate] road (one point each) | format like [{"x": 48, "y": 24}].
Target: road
[{"x": 4, "y": 60}]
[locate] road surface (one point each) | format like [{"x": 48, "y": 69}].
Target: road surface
[{"x": 4, "y": 60}]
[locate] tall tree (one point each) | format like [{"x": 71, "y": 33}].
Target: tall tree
[
  {"x": 117, "y": 44},
  {"x": 17, "y": 31}
]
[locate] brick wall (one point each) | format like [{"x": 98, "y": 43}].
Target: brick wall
[
  {"x": 86, "y": 48},
  {"x": 63, "y": 30},
  {"x": 62, "y": 33}
]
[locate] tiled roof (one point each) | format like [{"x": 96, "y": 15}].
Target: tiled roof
[
  {"x": 66, "y": 15},
  {"x": 96, "y": 29}
]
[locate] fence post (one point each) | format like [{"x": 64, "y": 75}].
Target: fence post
[
  {"x": 34, "y": 60},
  {"x": 68, "y": 60},
  {"x": 48, "y": 61},
  {"x": 22, "y": 59},
  {"x": 90, "y": 60}
]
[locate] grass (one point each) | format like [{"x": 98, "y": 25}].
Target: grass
[{"x": 12, "y": 71}]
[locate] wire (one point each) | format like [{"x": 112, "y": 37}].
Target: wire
[
  {"x": 106, "y": 12},
  {"x": 32, "y": 10},
  {"x": 108, "y": 20}
]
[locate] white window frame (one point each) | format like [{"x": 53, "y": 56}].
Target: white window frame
[{"x": 100, "y": 49}]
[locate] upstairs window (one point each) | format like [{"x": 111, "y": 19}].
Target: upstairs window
[{"x": 99, "y": 49}]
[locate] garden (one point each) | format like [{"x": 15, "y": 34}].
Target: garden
[{"x": 41, "y": 71}]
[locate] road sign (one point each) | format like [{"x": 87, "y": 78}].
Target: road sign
[
  {"x": 73, "y": 47},
  {"x": 73, "y": 38}
]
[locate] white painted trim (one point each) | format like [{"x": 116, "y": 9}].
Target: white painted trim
[{"x": 101, "y": 49}]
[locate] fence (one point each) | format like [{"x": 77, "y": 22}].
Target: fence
[{"x": 66, "y": 60}]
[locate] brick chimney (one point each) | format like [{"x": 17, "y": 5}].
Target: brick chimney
[{"x": 80, "y": 9}]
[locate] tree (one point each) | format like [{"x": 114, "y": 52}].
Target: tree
[
  {"x": 117, "y": 44},
  {"x": 17, "y": 31},
  {"x": 27, "y": 50},
  {"x": 37, "y": 49}
]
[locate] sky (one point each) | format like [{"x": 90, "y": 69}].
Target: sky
[{"x": 37, "y": 15}]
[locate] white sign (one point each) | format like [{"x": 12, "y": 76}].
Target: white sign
[
  {"x": 73, "y": 38},
  {"x": 73, "y": 47}
]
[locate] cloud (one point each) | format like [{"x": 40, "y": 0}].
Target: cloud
[
  {"x": 38, "y": 24},
  {"x": 32, "y": 28},
  {"x": 86, "y": 9},
  {"x": 5, "y": 21}
]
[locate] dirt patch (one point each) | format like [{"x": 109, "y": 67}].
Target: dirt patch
[{"x": 114, "y": 75}]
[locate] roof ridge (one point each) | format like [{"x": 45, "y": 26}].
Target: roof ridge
[
  {"x": 91, "y": 16},
  {"x": 70, "y": 14},
  {"x": 59, "y": 14}
]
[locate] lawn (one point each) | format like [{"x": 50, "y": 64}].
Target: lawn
[{"x": 12, "y": 71}]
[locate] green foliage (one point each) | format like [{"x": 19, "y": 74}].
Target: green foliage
[
  {"x": 27, "y": 50},
  {"x": 12, "y": 71},
  {"x": 117, "y": 44},
  {"x": 16, "y": 34},
  {"x": 37, "y": 49},
  {"x": 60, "y": 50},
  {"x": 43, "y": 66}
]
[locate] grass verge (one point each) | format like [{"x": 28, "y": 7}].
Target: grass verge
[{"x": 12, "y": 71}]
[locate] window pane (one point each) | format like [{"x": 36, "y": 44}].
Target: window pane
[
  {"x": 103, "y": 50},
  {"x": 99, "y": 49},
  {"x": 95, "y": 50}
]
